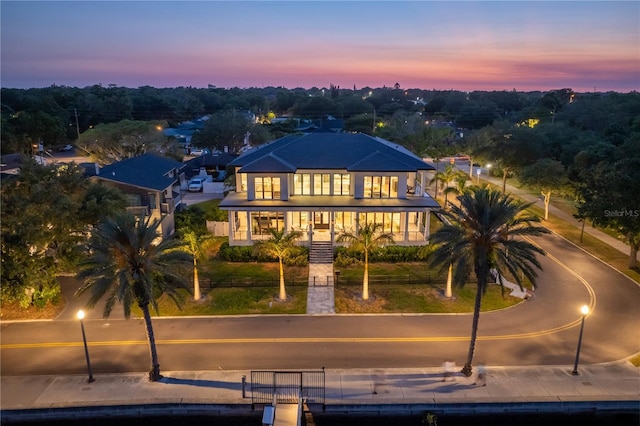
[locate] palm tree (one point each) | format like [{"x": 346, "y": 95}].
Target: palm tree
[
  {"x": 196, "y": 245},
  {"x": 368, "y": 237},
  {"x": 126, "y": 265},
  {"x": 459, "y": 179},
  {"x": 279, "y": 245},
  {"x": 445, "y": 177},
  {"x": 483, "y": 236}
]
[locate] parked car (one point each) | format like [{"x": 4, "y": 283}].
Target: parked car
[
  {"x": 195, "y": 184},
  {"x": 199, "y": 151},
  {"x": 67, "y": 147}
]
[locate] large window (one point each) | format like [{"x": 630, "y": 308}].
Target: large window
[
  {"x": 381, "y": 187},
  {"x": 341, "y": 183},
  {"x": 267, "y": 188},
  {"x": 343, "y": 221},
  {"x": 261, "y": 222},
  {"x": 243, "y": 182},
  {"x": 390, "y": 221},
  {"x": 300, "y": 220},
  {"x": 302, "y": 184},
  {"x": 321, "y": 184}
]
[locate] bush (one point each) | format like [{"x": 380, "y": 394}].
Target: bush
[
  {"x": 300, "y": 257},
  {"x": 236, "y": 253},
  {"x": 346, "y": 256}
]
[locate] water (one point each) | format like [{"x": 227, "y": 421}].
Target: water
[{"x": 590, "y": 419}]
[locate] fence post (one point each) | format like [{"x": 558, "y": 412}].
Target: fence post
[{"x": 244, "y": 387}]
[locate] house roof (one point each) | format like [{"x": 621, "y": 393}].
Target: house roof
[
  {"x": 337, "y": 151},
  {"x": 146, "y": 171},
  {"x": 219, "y": 159},
  {"x": 270, "y": 163}
]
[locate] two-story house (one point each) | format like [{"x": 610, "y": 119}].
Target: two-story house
[
  {"x": 325, "y": 183},
  {"x": 151, "y": 184}
]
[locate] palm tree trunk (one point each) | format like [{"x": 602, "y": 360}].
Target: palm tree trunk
[
  {"x": 196, "y": 282},
  {"x": 448, "y": 293},
  {"x": 365, "y": 280},
  {"x": 154, "y": 372},
  {"x": 468, "y": 369},
  {"x": 481, "y": 274},
  {"x": 283, "y": 292}
]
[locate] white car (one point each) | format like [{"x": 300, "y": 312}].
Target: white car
[
  {"x": 195, "y": 185},
  {"x": 199, "y": 151}
]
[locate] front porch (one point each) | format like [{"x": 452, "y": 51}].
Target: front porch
[{"x": 407, "y": 228}]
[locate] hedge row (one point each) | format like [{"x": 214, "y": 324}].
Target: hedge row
[{"x": 246, "y": 254}]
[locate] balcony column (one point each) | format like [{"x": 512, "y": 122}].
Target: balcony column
[
  {"x": 249, "y": 226},
  {"x": 232, "y": 226},
  {"x": 427, "y": 225},
  {"x": 406, "y": 226}
]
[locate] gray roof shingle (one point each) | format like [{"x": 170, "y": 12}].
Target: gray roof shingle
[
  {"x": 345, "y": 151},
  {"x": 146, "y": 171}
]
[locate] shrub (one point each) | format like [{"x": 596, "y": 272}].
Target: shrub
[
  {"x": 346, "y": 256},
  {"x": 247, "y": 254}
]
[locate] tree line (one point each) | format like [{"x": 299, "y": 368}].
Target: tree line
[{"x": 57, "y": 115}]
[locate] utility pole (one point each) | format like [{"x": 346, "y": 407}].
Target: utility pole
[
  {"x": 77, "y": 125},
  {"x": 373, "y": 128}
]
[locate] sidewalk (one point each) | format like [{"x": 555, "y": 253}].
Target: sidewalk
[{"x": 597, "y": 387}]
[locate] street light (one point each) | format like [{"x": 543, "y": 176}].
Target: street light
[
  {"x": 488, "y": 169},
  {"x": 80, "y": 316},
  {"x": 584, "y": 310},
  {"x": 478, "y": 173}
]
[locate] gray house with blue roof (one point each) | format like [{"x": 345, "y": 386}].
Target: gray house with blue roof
[
  {"x": 151, "y": 184},
  {"x": 326, "y": 183}
]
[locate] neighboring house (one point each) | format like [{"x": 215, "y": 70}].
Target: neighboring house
[
  {"x": 214, "y": 165},
  {"x": 211, "y": 167},
  {"x": 151, "y": 183},
  {"x": 325, "y": 183}
]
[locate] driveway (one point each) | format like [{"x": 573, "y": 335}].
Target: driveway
[{"x": 190, "y": 198}]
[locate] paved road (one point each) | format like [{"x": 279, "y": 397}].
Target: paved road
[{"x": 541, "y": 331}]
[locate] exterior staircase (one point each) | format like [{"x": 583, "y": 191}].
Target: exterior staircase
[{"x": 321, "y": 252}]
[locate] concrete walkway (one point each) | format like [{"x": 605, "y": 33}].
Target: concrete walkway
[
  {"x": 597, "y": 387},
  {"x": 320, "y": 295}
]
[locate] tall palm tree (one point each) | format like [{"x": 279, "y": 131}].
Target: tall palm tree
[
  {"x": 279, "y": 245},
  {"x": 483, "y": 234},
  {"x": 126, "y": 265},
  {"x": 445, "y": 176},
  {"x": 196, "y": 245},
  {"x": 368, "y": 237},
  {"x": 459, "y": 179}
]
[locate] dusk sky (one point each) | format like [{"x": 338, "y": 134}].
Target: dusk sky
[{"x": 477, "y": 45}]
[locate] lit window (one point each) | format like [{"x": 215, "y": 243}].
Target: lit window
[{"x": 267, "y": 188}]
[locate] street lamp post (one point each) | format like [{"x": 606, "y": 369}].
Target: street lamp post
[
  {"x": 80, "y": 316},
  {"x": 478, "y": 173},
  {"x": 488, "y": 170},
  {"x": 584, "y": 310}
]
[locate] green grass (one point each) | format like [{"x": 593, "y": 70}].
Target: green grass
[
  {"x": 423, "y": 298},
  {"x": 591, "y": 244},
  {"x": 236, "y": 301}
]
